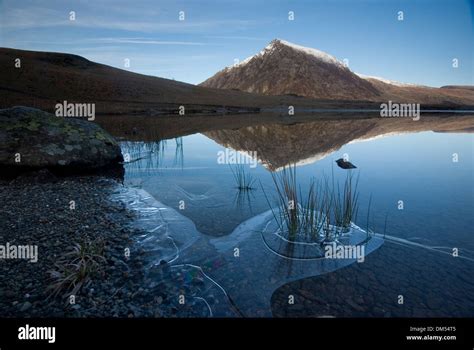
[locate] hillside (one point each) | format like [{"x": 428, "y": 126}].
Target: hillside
[
  {"x": 286, "y": 68},
  {"x": 46, "y": 78}
]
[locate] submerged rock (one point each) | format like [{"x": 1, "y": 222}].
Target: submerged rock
[
  {"x": 345, "y": 164},
  {"x": 31, "y": 139}
]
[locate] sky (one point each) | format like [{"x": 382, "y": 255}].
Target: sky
[{"x": 150, "y": 36}]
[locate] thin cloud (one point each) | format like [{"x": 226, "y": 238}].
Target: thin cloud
[
  {"x": 37, "y": 17},
  {"x": 111, "y": 40},
  {"x": 145, "y": 41},
  {"x": 237, "y": 37}
]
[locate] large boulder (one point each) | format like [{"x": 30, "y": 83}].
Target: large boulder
[{"x": 32, "y": 139}]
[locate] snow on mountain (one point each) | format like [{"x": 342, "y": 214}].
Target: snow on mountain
[
  {"x": 313, "y": 52},
  {"x": 284, "y": 68},
  {"x": 386, "y": 81},
  {"x": 321, "y": 55}
]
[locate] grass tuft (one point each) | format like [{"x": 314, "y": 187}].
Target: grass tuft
[
  {"x": 75, "y": 268},
  {"x": 313, "y": 214}
]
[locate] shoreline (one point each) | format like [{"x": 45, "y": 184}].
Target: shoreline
[{"x": 115, "y": 290}]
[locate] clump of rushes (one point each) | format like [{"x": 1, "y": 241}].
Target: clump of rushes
[
  {"x": 75, "y": 268},
  {"x": 346, "y": 204},
  {"x": 296, "y": 214},
  {"x": 243, "y": 179},
  {"x": 287, "y": 200},
  {"x": 311, "y": 215},
  {"x": 326, "y": 207}
]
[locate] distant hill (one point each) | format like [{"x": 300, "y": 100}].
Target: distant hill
[
  {"x": 467, "y": 87},
  {"x": 286, "y": 68},
  {"x": 46, "y": 78}
]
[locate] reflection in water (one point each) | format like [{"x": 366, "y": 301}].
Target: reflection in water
[
  {"x": 243, "y": 200},
  {"x": 207, "y": 218},
  {"x": 179, "y": 153},
  {"x": 148, "y": 156},
  {"x": 280, "y": 141},
  {"x": 278, "y": 145}
]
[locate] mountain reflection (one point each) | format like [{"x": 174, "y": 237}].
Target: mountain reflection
[
  {"x": 278, "y": 145},
  {"x": 279, "y": 141}
]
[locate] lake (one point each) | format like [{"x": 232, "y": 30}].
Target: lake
[{"x": 415, "y": 195}]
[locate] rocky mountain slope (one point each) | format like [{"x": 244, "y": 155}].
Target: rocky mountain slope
[
  {"x": 285, "y": 68},
  {"x": 46, "y": 78}
]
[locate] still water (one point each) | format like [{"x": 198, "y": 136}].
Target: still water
[{"x": 418, "y": 185}]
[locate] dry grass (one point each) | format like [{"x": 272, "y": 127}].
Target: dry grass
[{"x": 75, "y": 268}]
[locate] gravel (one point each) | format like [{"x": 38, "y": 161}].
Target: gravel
[{"x": 36, "y": 209}]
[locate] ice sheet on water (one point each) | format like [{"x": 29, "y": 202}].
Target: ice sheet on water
[
  {"x": 235, "y": 274},
  {"x": 460, "y": 253},
  {"x": 166, "y": 234},
  {"x": 260, "y": 268}
]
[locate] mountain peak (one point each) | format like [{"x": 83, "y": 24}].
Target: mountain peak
[
  {"x": 280, "y": 44},
  {"x": 277, "y": 41},
  {"x": 325, "y": 57},
  {"x": 285, "y": 68}
]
